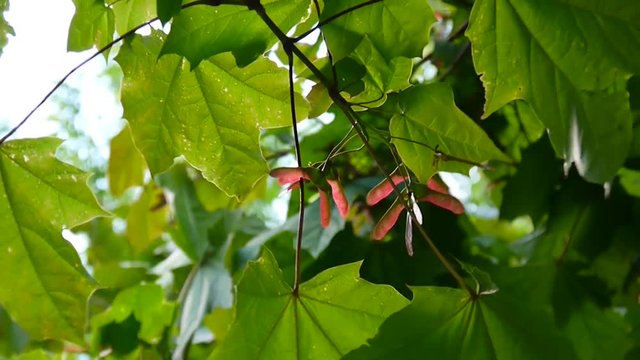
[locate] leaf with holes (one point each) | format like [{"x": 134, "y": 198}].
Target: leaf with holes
[
  {"x": 211, "y": 115},
  {"x": 44, "y": 285},
  {"x": 567, "y": 60},
  {"x": 334, "y": 313}
]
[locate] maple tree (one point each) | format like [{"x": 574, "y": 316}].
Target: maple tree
[{"x": 237, "y": 110}]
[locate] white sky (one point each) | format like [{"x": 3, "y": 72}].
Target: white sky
[{"x": 36, "y": 58}]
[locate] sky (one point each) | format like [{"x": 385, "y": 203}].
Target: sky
[{"x": 35, "y": 59}]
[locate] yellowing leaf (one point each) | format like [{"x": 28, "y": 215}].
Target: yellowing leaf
[
  {"x": 333, "y": 313},
  {"x": 147, "y": 218},
  {"x": 43, "y": 284},
  {"x": 126, "y": 164},
  {"x": 211, "y": 115}
]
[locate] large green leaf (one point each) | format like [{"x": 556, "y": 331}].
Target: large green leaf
[
  {"x": 382, "y": 37},
  {"x": 5, "y": 28},
  {"x": 44, "y": 285},
  {"x": 560, "y": 57},
  {"x": 92, "y": 24},
  {"x": 199, "y": 32},
  {"x": 427, "y": 115},
  {"x": 131, "y": 13},
  {"x": 595, "y": 332},
  {"x": 394, "y": 27},
  {"x": 333, "y": 313},
  {"x": 211, "y": 115},
  {"x": 126, "y": 164},
  {"x": 448, "y": 323}
]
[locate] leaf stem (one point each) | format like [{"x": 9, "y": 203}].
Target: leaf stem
[
  {"x": 289, "y": 45},
  {"x": 294, "y": 122}
]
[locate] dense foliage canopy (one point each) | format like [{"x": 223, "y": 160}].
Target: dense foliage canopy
[{"x": 286, "y": 185}]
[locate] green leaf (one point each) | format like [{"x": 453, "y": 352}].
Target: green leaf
[
  {"x": 199, "y": 32},
  {"x": 193, "y": 220},
  {"x": 212, "y": 115},
  {"x": 427, "y": 115},
  {"x": 148, "y": 218},
  {"x": 5, "y": 28},
  {"x": 333, "y": 313},
  {"x": 630, "y": 181},
  {"x": 146, "y": 303},
  {"x": 395, "y": 28},
  {"x": 168, "y": 9},
  {"x": 131, "y": 13},
  {"x": 447, "y": 322},
  {"x": 560, "y": 56},
  {"x": 383, "y": 37},
  {"x": 92, "y": 24},
  {"x": 126, "y": 164},
  {"x": 44, "y": 286}
]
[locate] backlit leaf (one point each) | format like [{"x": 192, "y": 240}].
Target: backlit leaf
[
  {"x": 92, "y": 24},
  {"x": 44, "y": 285},
  {"x": 427, "y": 115},
  {"x": 147, "y": 218},
  {"x": 126, "y": 164},
  {"x": 334, "y": 312},
  {"x": 5, "y": 28},
  {"x": 212, "y": 115},
  {"x": 200, "y": 32},
  {"x": 131, "y": 13}
]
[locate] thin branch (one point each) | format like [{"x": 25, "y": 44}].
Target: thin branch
[
  {"x": 62, "y": 81},
  {"x": 333, "y": 17},
  {"x": 101, "y": 51},
  {"x": 569, "y": 237},
  {"x": 294, "y": 122}
]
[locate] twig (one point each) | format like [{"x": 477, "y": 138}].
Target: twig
[{"x": 294, "y": 122}]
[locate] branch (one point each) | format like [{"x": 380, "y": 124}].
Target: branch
[
  {"x": 294, "y": 122},
  {"x": 289, "y": 45}
]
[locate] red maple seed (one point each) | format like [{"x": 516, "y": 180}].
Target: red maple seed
[
  {"x": 325, "y": 210},
  {"x": 444, "y": 201},
  {"x": 383, "y": 189},
  {"x": 387, "y": 221},
  {"x": 288, "y": 175},
  {"x": 436, "y": 184},
  {"x": 339, "y": 197}
]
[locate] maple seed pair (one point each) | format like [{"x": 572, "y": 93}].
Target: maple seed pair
[
  {"x": 292, "y": 175},
  {"x": 435, "y": 192}
]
